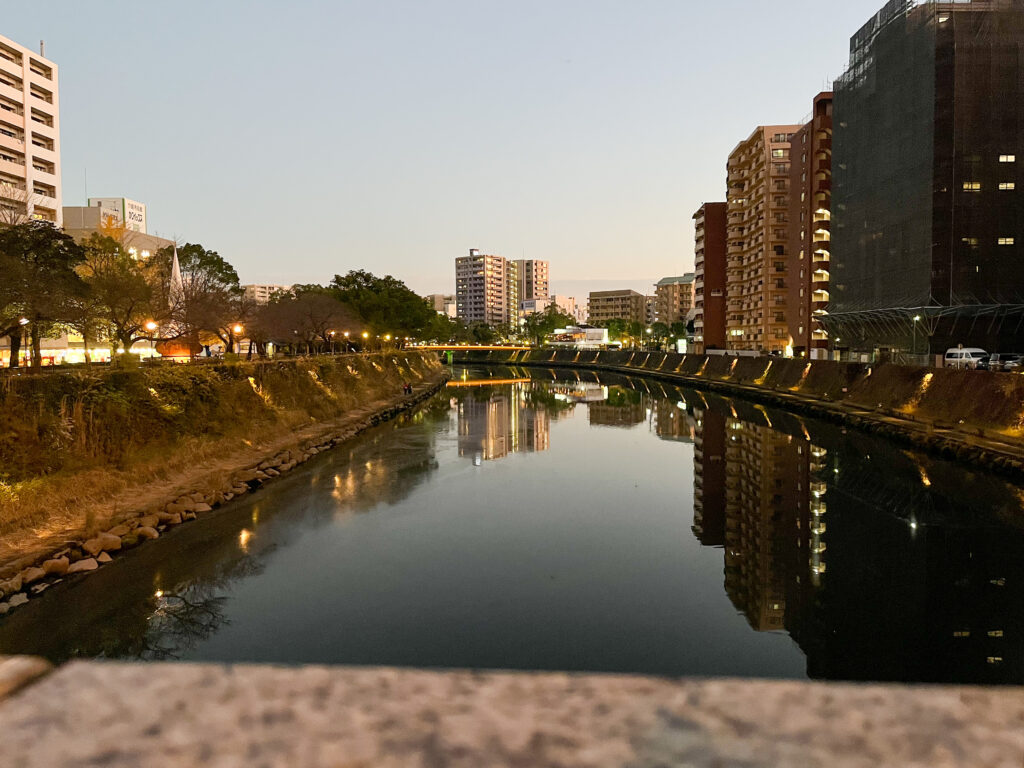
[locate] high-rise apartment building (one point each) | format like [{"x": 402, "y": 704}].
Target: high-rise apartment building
[
  {"x": 30, "y": 185},
  {"x": 810, "y": 231},
  {"x": 534, "y": 279},
  {"x": 709, "y": 278},
  {"x": 616, "y": 305},
  {"x": 486, "y": 289},
  {"x": 758, "y": 236},
  {"x": 673, "y": 298},
  {"x": 928, "y": 220}
]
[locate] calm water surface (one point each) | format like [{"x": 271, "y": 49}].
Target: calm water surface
[{"x": 554, "y": 520}]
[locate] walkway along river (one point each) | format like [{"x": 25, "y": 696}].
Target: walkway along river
[{"x": 566, "y": 520}]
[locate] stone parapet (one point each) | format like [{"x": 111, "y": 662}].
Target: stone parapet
[{"x": 115, "y": 715}]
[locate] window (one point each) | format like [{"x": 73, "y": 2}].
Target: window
[
  {"x": 972, "y": 186},
  {"x": 1006, "y": 241},
  {"x": 779, "y": 154},
  {"x": 1007, "y": 158},
  {"x": 1007, "y": 186},
  {"x": 971, "y": 241}
]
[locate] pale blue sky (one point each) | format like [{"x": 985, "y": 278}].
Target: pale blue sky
[{"x": 310, "y": 137}]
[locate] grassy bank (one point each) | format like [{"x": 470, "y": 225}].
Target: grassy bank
[{"x": 79, "y": 449}]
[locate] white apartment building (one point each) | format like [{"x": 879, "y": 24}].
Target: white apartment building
[
  {"x": 486, "y": 289},
  {"x": 29, "y": 136},
  {"x": 261, "y": 293}
]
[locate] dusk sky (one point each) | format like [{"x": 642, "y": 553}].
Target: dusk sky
[{"x": 308, "y": 138}]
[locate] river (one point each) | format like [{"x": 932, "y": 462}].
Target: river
[{"x": 555, "y": 520}]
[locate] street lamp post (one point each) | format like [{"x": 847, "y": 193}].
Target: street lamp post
[
  {"x": 333, "y": 334},
  {"x": 917, "y": 319},
  {"x": 151, "y": 326}
]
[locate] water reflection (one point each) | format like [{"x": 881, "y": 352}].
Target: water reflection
[
  {"x": 881, "y": 564},
  {"x": 471, "y": 534}
]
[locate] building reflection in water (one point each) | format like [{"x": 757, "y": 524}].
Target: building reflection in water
[
  {"x": 854, "y": 550},
  {"x": 494, "y": 422},
  {"x": 500, "y": 417}
]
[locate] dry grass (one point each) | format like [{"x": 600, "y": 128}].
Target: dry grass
[{"x": 92, "y": 491}]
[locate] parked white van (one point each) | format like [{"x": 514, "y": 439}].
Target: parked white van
[{"x": 967, "y": 357}]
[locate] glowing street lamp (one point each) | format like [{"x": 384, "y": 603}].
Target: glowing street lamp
[
  {"x": 237, "y": 329},
  {"x": 23, "y": 322}
]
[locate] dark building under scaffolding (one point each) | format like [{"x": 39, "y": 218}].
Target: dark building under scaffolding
[{"x": 928, "y": 203}]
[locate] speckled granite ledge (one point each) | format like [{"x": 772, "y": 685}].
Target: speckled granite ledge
[{"x": 199, "y": 715}]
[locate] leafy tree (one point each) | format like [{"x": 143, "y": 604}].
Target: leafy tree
[
  {"x": 304, "y": 319},
  {"x": 386, "y": 304},
  {"x": 541, "y": 324},
  {"x": 442, "y": 329},
  {"x": 39, "y": 280},
  {"x": 126, "y": 290},
  {"x": 210, "y": 300},
  {"x": 481, "y": 333},
  {"x": 660, "y": 333}
]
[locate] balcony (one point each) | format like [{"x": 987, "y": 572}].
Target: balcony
[
  {"x": 11, "y": 142},
  {"x": 10, "y": 67},
  {"x": 823, "y": 185},
  {"x": 14, "y": 94}
]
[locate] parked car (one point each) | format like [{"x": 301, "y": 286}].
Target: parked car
[
  {"x": 1008, "y": 362},
  {"x": 966, "y": 357}
]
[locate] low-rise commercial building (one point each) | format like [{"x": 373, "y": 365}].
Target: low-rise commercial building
[
  {"x": 81, "y": 222},
  {"x": 122, "y": 212}
]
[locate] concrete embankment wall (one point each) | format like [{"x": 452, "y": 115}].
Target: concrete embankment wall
[{"x": 986, "y": 404}]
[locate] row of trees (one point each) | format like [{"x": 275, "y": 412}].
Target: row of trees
[
  {"x": 103, "y": 290},
  {"x": 632, "y": 333},
  {"x": 106, "y": 292}
]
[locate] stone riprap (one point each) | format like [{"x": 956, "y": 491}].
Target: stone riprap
[
  {"x": 121, "y": 715},
  {"x": 79, "y": 558}
]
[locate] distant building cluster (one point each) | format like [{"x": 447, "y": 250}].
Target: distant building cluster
[
  {"x": 888, "y": 222},
  {"x": 495, "y": 291}
]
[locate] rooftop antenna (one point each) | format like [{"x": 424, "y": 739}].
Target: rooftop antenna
[{"x": 42, "y": 48}]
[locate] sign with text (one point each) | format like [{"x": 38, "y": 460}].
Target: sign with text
[{"x": 130, "y": 213}]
